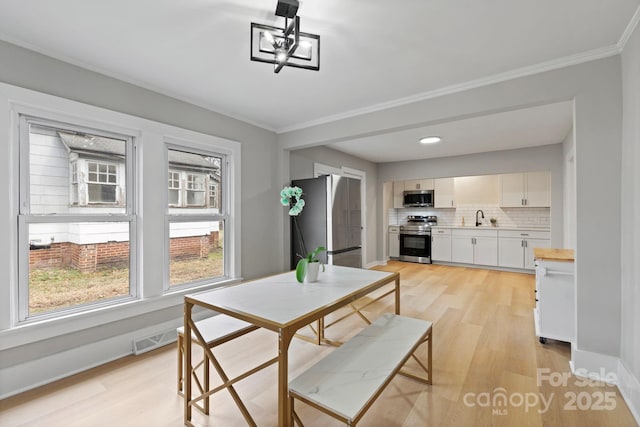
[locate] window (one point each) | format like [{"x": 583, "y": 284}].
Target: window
[
  {"x": 74, "y": 261},
  {"x": 75, "y": 229},
  {"x": 102, "y": 182},
  {"x": 174, "y": 188},
  {"x": 195, "y": 190},
  {"x": 196, "y": 226},
  {"x": 213, "y": 195},
  {"x": 74, "y": 182}
]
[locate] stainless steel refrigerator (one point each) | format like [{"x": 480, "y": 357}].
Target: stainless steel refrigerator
[{"x": 331, "y": 218}]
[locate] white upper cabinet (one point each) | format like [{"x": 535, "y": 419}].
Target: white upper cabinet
[
  {"x": 418, "y": 184},
  {"x": 531, "y": 189},
  {"x": 538, "y": 187},
  {"x": 444, "y": 191},
  {"x": 398, "y": 194}
]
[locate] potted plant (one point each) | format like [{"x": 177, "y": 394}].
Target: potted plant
[
  {"x": 493, "y": 221},
  {"x": 309, "y": 266}
]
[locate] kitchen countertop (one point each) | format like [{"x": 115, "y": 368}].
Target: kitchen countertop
[
  {"x": 550, "y": 254},
  {"x": 488, "y": 227}
]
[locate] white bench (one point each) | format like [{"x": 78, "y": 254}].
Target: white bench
[
  {"x": 215, "y": 331},
  {"x": 346, "y": 382}
]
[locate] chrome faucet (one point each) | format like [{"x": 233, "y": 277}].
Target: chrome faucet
[{"x": 478, "y": 222}]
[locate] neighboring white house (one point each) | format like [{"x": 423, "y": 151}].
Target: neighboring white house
[{"x": 76, "y": 173}]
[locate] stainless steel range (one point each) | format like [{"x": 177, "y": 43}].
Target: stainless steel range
[{"x": 415, "y": 238}]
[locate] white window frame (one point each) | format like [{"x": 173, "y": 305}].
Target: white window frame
[
  {"x": 196, "y": 215},
  {"x": 150, "y": 137},
  {"x": 99, "y": 163},
  {"x": 190, "y": 182},
  {"x": 212, "y": 194},
  {"x": 26, "y": 218},
  {"x": 178, "y": 188}
]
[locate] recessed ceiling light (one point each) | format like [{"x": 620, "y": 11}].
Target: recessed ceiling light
[{"x": 430, "y": 140}]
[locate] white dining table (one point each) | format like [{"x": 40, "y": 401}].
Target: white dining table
[{"x": 281, "y": 304}]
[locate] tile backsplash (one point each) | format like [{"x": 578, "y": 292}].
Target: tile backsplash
[{"x": 507, "y": 217}]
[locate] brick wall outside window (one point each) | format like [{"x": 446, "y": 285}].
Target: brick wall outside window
[{"x": 93, "y": 257}]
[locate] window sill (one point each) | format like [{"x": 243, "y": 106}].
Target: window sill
[{"x": 38, "y": 330}]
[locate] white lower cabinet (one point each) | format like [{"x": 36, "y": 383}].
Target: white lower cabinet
[
  {"x": 441, "y": 244},
  {"x": 394, "y": 242},
  {"x": 474, "y": 246},
  {"x": 554, "y": 315},
  {"x": 515, "y": 248}
]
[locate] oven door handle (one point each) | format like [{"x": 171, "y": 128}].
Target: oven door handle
[{"x": 415, "y": 233}]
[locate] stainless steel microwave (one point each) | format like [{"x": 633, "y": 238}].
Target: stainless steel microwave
[{"x": 418, "y": 199}]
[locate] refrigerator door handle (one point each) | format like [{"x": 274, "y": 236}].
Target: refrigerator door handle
[{"x": 341, "y": 251}]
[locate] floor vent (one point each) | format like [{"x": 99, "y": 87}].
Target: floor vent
[{"x": 143, "y": 345}]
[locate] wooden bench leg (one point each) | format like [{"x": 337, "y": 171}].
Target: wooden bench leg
[
  {"x": 430, "y": 361},
  {"x": 180, "y": 358},
  {"x": 429, "y": 368}
]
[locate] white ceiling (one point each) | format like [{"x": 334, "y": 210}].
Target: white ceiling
[
  {"x": 542, "y": 125},
  {"x": 374, "y": 54}
]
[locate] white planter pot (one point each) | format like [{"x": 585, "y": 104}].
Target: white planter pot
[{"x": 312, "y": 272}]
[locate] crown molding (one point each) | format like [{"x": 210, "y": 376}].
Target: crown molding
[
  {"x": 626, "y": 35},
  {"x": 541, "y": 67}
]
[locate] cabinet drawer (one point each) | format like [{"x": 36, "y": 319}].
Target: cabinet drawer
[
  {"x": 525, "y": 234},
  {"x": 473, "y": 232},
  {"x": 441, "y": 231}
]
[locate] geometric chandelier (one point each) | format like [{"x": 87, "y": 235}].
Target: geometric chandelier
[{"x": 286, "y": 46}]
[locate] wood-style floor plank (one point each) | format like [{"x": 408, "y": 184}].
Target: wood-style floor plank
[{"x": 484, "y": 344}]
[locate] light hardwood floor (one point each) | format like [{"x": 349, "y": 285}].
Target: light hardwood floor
[{"x": 484, "y": 347}]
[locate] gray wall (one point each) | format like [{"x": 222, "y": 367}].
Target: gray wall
[
  {"x": 630, "y": 350},
  {"x": 261, "y": 217},
  {"x": 546, "y": 157},
  {"x": 301, "y": 166},
  {"x": 595, "y": 88}
]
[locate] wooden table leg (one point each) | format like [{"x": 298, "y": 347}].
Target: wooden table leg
[
  {"x": 398, "y": 294},
  {"x": 186, "y": 374},
  {"x": 284, "y": 409}
]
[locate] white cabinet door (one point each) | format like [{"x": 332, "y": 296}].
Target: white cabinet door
[
  {"x": 528, "y": 251},
  {"x": 412, "y": 184},
  {"x": 394, "y": 245},
  {"x": 538, "y": 189},
  {"x": 486, "y": 250},
  {"x": 418, "y": 184},
  {"x": 511, "y": 252},
  {"x": 398, "y": 194},
  {"x": 525, "y": 189},
  {"x": 444, "y": 191},
  {"x": 440, "y": 247},
  {"x": 556, "y": 300},
  {"x": 512, "y": 190},
  {"x": 462, "y": 249}
]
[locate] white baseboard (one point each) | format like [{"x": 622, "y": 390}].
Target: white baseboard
[
  {"x": 599, "y": 367},
  {"x": 374, "y": 263},
  {"x": 610, "y": 369},
  {"x": 25, "y": 376},
  {"x": 630, "y": 389}
]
